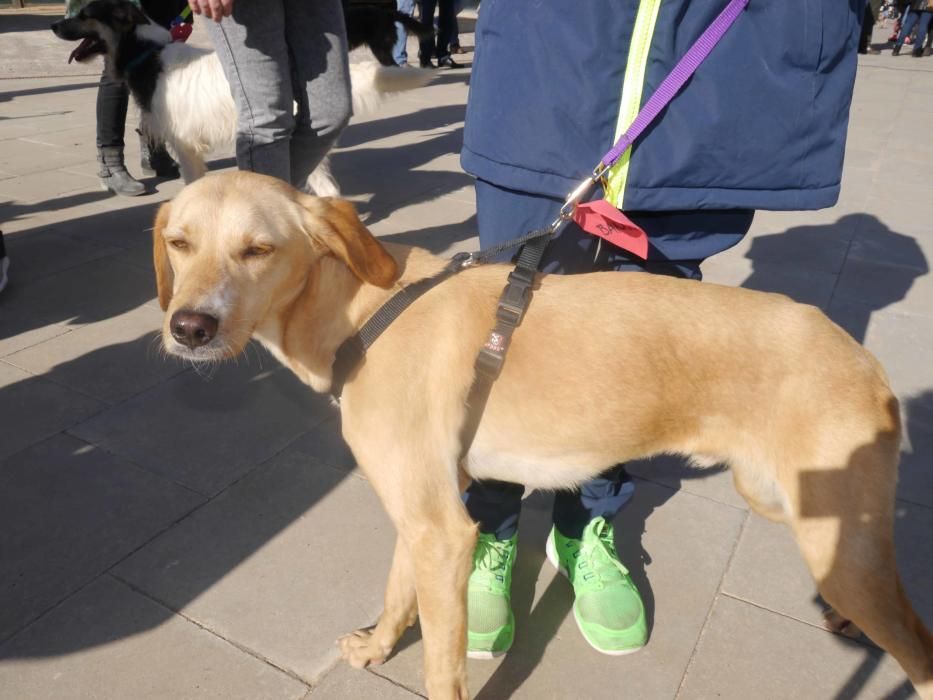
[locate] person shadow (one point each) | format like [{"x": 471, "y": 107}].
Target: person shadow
[{"x": 851, "y": 268}]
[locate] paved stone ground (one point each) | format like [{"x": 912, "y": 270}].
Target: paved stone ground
[{"x": 170, "y": 535}]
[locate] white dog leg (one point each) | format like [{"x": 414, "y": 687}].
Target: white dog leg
[
  {"x": 190, "y": 163},
  {"x": 321, "y": 183}
]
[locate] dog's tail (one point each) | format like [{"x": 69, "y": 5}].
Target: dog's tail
[{"x": 373, "y": 82}]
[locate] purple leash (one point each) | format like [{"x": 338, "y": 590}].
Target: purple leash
[
  {"x": 675, "y": 80},
  {"x": 665, "y": 92}
]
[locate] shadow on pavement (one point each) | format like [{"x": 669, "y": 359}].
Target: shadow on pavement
[
  {"x": 13, "y": 94},
  {"x": 426, "y": 119},
  {"x": 794, "y": 246},
  {"x": 80, "y": 291},
  {"x": 103, "y": 481},
  {"x": 26, "y": 22},
  {"x": 436, "y": 238}
]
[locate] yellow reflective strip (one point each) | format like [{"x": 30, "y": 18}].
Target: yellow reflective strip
[{"x": 632, "y": 89}]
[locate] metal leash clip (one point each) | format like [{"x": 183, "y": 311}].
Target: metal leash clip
[{"x": 575, "y": 197}]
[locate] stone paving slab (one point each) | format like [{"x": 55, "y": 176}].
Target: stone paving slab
[
  {"x": 284, "y": 562},
  {"x": 789, "y": 589},
  {"x": 550, "y": 659},
  {"x": 206, "y": 432},
  {"x": 68, "y": 512},
  {"x": 344, "y": 682},
  {"x": 33, "y": 409},
  {"x": 74, "y": 652},
  {"x": 782, "y": 659},
  {"x": 132, "y": 363}
]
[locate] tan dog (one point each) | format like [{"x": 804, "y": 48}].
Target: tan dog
[{"x": 605, "y": 368}]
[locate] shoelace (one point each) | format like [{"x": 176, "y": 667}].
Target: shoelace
[
  {"x": 491, "y": 554},
  {"x": 595, "y": 557}
]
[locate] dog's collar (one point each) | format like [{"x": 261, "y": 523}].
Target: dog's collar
[{"x": 350, "y": 353}]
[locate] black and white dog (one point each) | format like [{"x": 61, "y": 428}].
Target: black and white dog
[{"x": 182, "y": 93}]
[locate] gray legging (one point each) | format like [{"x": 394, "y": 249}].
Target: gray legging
[{"x": 274, "y": 53}]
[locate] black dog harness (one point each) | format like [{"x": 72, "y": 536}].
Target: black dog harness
[{"x": 513, "y": 303}]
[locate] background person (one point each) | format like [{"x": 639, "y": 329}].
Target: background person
[{"x": 276, "y": 53}]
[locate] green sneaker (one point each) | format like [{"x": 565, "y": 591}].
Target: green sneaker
[
  {"x": 607, "y": 606},
  {"x": 491, "y": 624}
]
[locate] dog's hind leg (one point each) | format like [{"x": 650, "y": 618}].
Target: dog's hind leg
[
  {"x": 843, "y": 518},
  {"x": 373, "y": 646}
]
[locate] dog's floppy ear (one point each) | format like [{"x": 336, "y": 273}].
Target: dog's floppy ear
[
  {"x": 165, "y": 278},
  {"x": 334, "y": 223}
]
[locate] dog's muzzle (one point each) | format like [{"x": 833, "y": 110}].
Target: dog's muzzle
[{"x": 192, "y": 328}]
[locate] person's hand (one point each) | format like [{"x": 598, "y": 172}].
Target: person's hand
[{"x": 212, "y": 9}]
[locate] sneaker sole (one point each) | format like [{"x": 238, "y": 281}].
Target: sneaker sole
[
  {"x": 486, "y": 655},
  {"x": 555, "y": 562}
]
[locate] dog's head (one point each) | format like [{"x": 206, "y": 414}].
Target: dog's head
[
  {"x": 233, "y": 251},
  {"x": 99, "y": 26}
]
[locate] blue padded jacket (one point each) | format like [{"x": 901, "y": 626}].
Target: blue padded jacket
[{"x": 762, "y": 124}]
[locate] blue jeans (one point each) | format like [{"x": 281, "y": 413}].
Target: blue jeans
[
  {"x": 922, "y": 20},
  {"x": 276, "y": 53},
  {"x": 399, "y": 51}
]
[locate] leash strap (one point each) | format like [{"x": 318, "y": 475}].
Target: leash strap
[{"x": 675, "y": 80}]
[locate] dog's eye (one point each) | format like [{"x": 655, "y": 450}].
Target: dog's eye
[
  {"x": 257, "y": 251},
  {"x": 178, "y": 244}
]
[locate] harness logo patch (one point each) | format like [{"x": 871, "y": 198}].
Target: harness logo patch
[{"x": 496, "y": 342}]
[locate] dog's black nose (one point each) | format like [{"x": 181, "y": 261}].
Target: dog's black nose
[{"x": 193, "y": 329}]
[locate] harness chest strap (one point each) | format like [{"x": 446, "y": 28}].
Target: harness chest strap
[{"x": 351, "y": 351}]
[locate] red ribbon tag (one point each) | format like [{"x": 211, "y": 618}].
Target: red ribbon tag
[
  {"x": 180, "y": 31},
  {"x": 602, "y": 219}
]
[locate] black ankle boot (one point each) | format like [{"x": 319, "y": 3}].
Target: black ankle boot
[
  {"x": 113, "y": 174},
  {"x": 155, "y": 160}
]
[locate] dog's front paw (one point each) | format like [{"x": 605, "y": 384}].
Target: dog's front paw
[{"x": 360, "y": 649}]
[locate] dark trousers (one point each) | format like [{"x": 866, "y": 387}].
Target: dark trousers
[
  {"x": 504, "y": 214},
  {"x": 496, "y": 505},
  {"x": 113, "y": 97},
  {"x": 868, "y": 25},
  {"x": 439, "y": 45}
]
